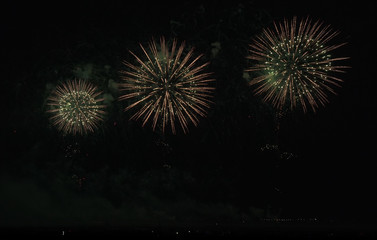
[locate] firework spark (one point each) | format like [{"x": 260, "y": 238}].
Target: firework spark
[
  {"x": 294, "y": 64},
  {"x": 75, "y": 107},
  {"x": 167, "y": 85}
]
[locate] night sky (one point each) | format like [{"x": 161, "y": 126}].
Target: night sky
[{"x": 231, "y": 175}]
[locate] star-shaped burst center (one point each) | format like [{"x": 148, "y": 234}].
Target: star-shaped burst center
[{"x": 78, "y": 107}]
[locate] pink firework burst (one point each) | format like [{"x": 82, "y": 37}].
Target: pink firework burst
[{"x": 167, "y": 85}]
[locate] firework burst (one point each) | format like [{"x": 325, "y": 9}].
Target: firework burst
[
  {"x": 166, "y": 86},
  {"x": 294, "y": 64},
  {"x": 75, "y": 107}
]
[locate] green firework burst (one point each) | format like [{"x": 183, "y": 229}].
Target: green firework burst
[
  {"x": 75, "y": 107},
  {"x": 294, "y": 64}
]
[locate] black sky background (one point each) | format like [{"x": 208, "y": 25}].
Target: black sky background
[{"x": 331, "y": 177}]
